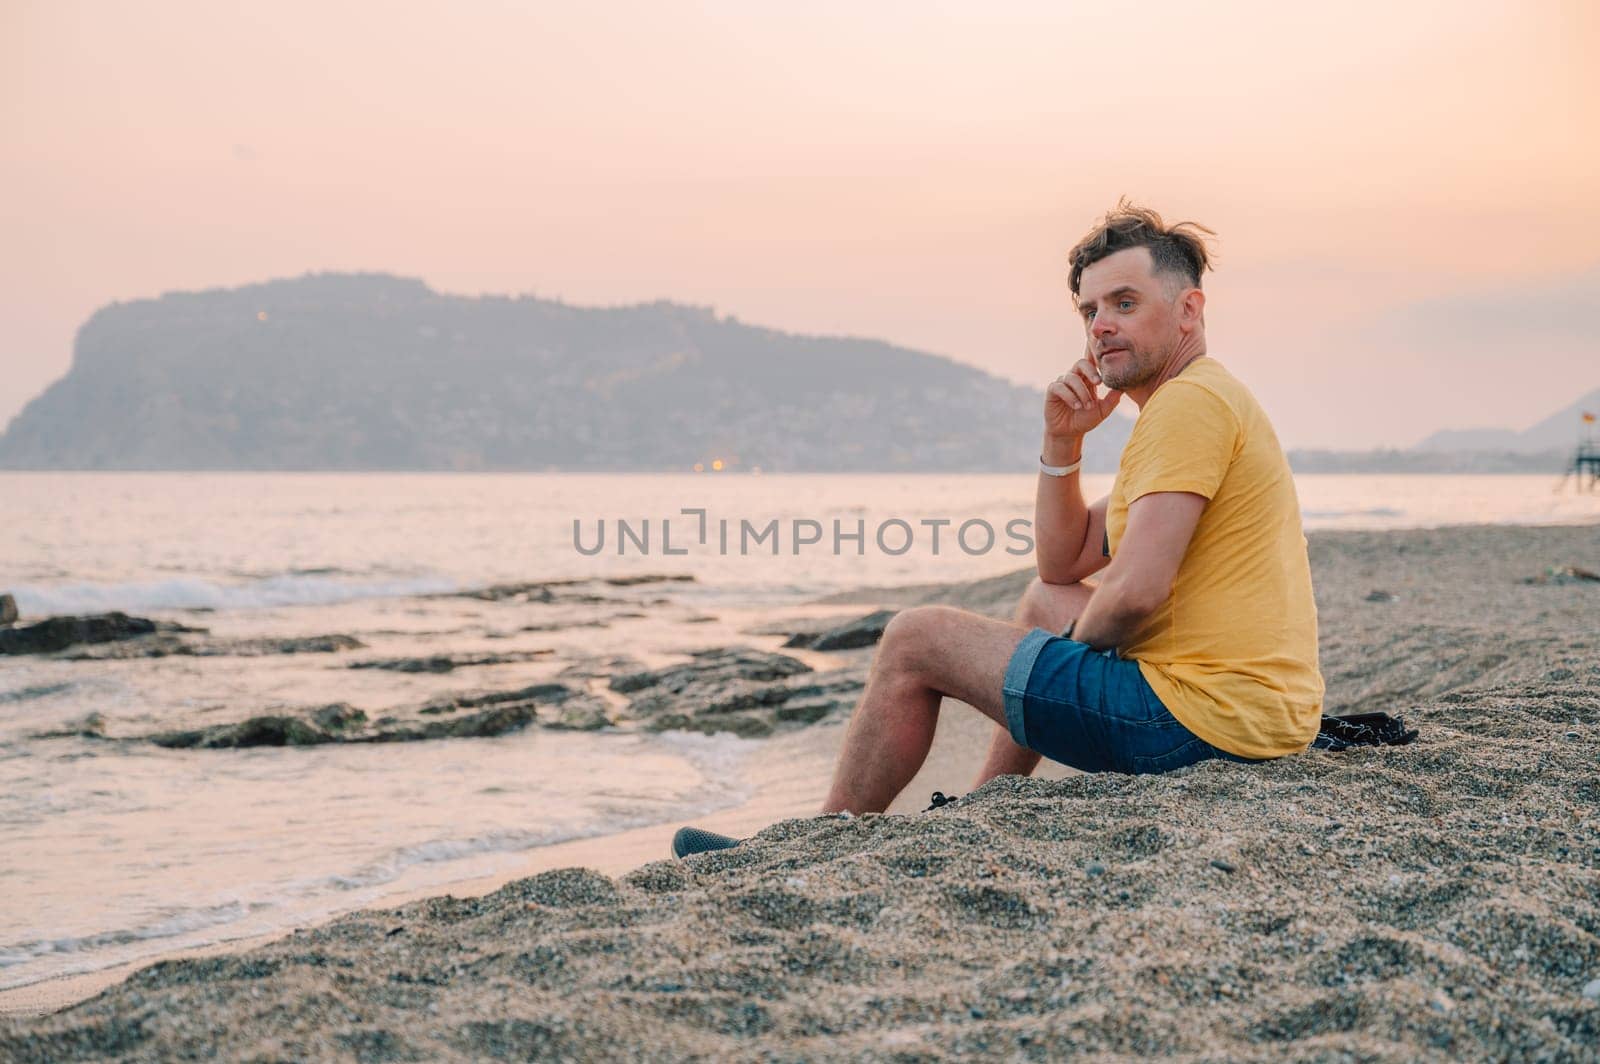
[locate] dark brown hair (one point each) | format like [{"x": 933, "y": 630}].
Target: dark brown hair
[{"x": 1176, "y": 250}]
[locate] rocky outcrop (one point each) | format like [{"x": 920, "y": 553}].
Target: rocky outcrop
[
  {"x": 861, "y": 632},
  {"x": 448, "y": 662},
  {"x": 466, "y": 716},
  {"x": 163, "y": 645},
  {"x": 736, "y": 689},
  {"x": 600, "y": 666},
  {"x": 58, "y": 633}
]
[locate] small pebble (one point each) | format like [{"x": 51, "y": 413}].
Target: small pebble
[
  {"x": 1226, "y": 866},
  {"x": 1095, "y": 868},
  {"x": 1591, "y": 990}
]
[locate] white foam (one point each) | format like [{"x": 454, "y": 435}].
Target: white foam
[
  {"x": 180, "y": 922},
  {"x": 39, "y": 600},
  {"x": 1333, "y": 515},
  {"x": 715, "y": 757}
]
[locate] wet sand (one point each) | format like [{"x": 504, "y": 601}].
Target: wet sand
[{"x": 1436, "y": 901}]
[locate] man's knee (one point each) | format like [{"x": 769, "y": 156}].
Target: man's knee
[
  {"x": 1034, "y": 608},
  {"x": 912, "y": 637}
]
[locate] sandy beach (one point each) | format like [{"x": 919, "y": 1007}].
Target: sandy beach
[{"x": 1439, "y": 901}]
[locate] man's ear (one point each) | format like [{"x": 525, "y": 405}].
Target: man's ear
[{"x": 1191, "y": 309}]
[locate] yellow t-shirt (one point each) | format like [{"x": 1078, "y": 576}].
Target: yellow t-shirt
[{"x": 1232, "y": 653}]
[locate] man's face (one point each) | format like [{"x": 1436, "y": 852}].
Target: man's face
[{"x": 1129, "y": 315}]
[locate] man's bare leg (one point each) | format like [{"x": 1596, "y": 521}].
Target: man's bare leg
[
  {"x": 926, "y": 653},
  {"x": 1051, "y": 607}
]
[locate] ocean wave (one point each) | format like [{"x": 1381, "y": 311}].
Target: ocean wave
[
  {"x": 198, "y": 593},
  {"x": 26, "y": 694},
  {"x": 715, "y": 757},
  {"x": 179, "y": 922},
  {"x": 1333, "y": 515},
  {"x": 393, "y": 865}
]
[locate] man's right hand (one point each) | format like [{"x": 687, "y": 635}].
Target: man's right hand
[{"x": 1073, "y": 404}]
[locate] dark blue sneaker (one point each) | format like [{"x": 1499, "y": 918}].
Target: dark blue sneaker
[{"x": 693, "y": 840}]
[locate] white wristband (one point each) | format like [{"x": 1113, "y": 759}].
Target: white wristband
[{"x": 1058, "y": 470}]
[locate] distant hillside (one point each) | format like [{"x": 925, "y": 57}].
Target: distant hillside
[
  {"x": 368, "y": 371},
  {"x": 1547, "y": 447},
  {"x": 1558, "y": 432}
]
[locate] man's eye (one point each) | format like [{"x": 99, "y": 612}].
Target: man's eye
[
  {"x": 1125, "y": 304},
  {"x": 1089, "y": 314}
]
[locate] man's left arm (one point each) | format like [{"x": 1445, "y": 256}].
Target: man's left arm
[{"x": 1140, "y": 577}]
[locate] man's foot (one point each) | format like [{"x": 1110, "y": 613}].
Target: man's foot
[{"x": 693, "y": 840}]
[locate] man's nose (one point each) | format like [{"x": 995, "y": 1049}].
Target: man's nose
[{"x": 1102, "y": 326}]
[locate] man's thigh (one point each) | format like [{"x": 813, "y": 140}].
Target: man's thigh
[{"x": 960, "y": 654}]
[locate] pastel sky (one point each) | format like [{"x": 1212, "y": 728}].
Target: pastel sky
[{"x": 1405, "y": 192}]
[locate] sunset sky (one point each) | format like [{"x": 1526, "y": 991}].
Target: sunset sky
[{"x": 1405, "y": 193}]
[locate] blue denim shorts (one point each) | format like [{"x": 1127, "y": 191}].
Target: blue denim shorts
[{"x": 1094, "y": 711}]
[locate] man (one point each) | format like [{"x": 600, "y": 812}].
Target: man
[{"x": 1199, "y": 638}]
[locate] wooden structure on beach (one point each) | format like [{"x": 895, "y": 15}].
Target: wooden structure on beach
[
  {"x": 1586, "y": 460},
  {"x": 1586, "y": 466}
]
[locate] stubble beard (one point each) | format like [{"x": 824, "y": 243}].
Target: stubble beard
[{"x": 1138, "y": 369}]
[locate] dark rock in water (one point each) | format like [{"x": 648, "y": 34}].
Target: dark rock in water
[
  {"x": 594, "y": 668},
  {"x": 496, "y": 713},
  {"x": 744, "y": 725},
  {"x": 58, "y": 633},
  {"x": 92, "y": 726},
  {"x": 256, "y": 731},
  {"x": 440, "y": 663},
  {"x": 650, "y": 578},
  {"x": 338, "y": 716},
  {"x": 554, "y": 704},
  {"x": 812, "y": 626},
  {"x": 558, "y": 590},
  {"x": 539, "y": 692},
  {"x": 582, "y": 712},
  {"x": 736, "y": 689},
  {"x": 489, "y": 722},
  {"x": 8, "y": 610},
  {"x": 805, "y": 710},
  {"x": 720, "y": 663},
  {"x": 162, "y": 644},
  {"x": 562, "y": 626},
  {"x": 861, "y": 632}
]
